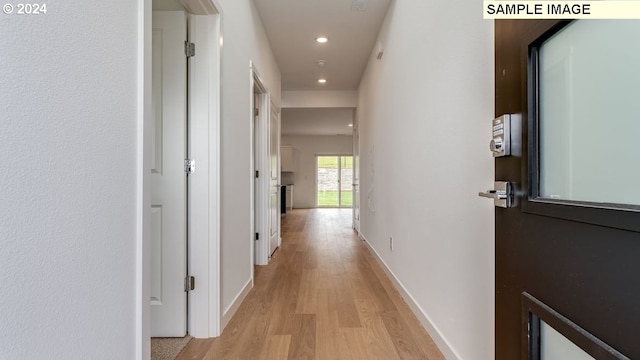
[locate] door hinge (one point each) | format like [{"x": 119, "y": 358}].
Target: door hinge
[
  {"x": 189, "y": 283},
  {"x": 257, "y": 111},
  {"x": 189, "y": 166},
  {"x": 257, "y": 174},
  {"x": 189, "y": 49},
  {"x": 257, "y": 236}
]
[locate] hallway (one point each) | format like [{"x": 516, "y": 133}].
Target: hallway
[{"x": 323, "y": 296}]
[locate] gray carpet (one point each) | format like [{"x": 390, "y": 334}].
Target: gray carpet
[{"x": 168, "y": 348}]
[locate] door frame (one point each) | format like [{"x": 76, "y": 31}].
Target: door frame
[
  {"x": 204, "y": 84},
  {"x": 204, "y": 312},
  {"x": 259, "y": 161},
  {"x": 356, "y": 173},
  {"x": 275, "y": 111}
]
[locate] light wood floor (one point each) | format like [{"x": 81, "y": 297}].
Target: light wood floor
[{"x": 323, "y": 296}]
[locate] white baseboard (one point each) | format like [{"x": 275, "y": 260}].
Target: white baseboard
[
  {"x": 424, "y": 319},
  {"x": 235, "y": 304}
]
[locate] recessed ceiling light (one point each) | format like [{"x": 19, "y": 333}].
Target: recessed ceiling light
[
  {"x": 359, "y": 5},
  {"x": 322, "y": 81},
  {"x": 350, "y": 125},
  {"x": 322, "y": 39}
]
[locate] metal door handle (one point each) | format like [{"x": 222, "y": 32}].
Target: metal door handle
[
  {"x": 494, "y": 194},
  {"x": 503, "y": 194}
]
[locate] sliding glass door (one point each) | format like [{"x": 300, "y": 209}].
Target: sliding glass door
[{"x": 334, "y": 178}]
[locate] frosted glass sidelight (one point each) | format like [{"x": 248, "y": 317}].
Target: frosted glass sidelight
[
  {"x": 589, "y": 93},
  {"x": 554, "y": 346}
]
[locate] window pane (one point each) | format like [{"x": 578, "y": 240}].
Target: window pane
[
  {"x": 327, "y": 181},
  {"x": 554, "y": 346},
  {"x": 590, "y": 112},
  {"x": 346, "y": 181}
]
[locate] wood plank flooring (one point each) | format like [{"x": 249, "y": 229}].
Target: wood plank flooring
[{"x": 323, "y": 296}]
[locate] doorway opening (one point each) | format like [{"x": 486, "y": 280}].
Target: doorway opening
[
  {"x": 264, "y": 164},
  {"x": 183, "y": 213},
  {"x": 334, "y": 179}
]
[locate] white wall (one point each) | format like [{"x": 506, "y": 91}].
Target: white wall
[
  {"x": 69, "y": 160},
  {"x": 306, "y": 147},
  {"x": 424, "y": 115},
  {"x": 244, "y": 41}
]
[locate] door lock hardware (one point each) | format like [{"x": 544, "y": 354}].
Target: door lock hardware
[
  {"x": 506, "y": 135},
  {"x": 503, "y": 194},
  {"x": 500, "y": 144},
  {"x": 495, "y": 145},
  {"x": 494, "y": 194}
]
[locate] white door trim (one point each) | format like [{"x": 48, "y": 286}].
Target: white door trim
[
  {"x": 143, "y": 185},
  {"x": 356, "y": 172},
  {"x": 275, "y": 110},
  {"x": 204, "y": 184},
  {"x": 259, "y": 199},
  {"x": 143, "y": 238}
]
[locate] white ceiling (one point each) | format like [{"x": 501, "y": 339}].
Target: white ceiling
[
  {"x": 293, "y": 25},
  {"x": 314, "y": 121}
]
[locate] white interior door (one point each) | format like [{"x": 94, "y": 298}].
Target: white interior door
[
  {"x": 261, "y": 191},
  {"x": 274, "y": 183},
  {"x": 168, "y": 179}
]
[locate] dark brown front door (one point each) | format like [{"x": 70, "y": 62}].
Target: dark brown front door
[{"x": 573, "y": 264}]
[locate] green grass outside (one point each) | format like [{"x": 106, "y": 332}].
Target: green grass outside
[
  {"x": 330, "y": 198},
  {"x": 331, "y": 162}
]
